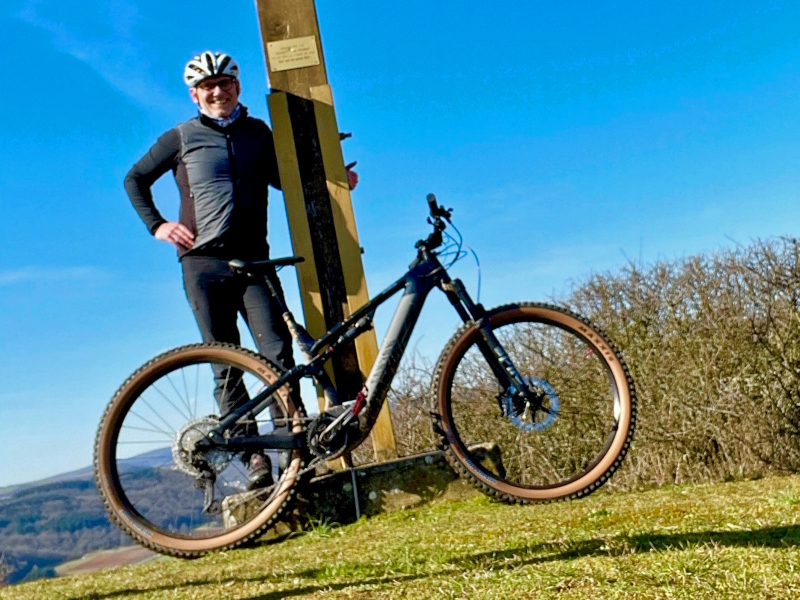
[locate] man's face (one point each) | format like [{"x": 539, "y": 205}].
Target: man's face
[{"x": 217, "y": 96}]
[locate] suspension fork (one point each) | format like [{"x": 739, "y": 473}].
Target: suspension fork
[{"x": 491, "y": 348}]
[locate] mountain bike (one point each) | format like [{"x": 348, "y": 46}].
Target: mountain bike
[{"x": 537, "y": 381}]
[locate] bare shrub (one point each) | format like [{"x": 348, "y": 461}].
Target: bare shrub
[
  {"x": 713, "y": 344},
  {"x": 5, "y": 568}
]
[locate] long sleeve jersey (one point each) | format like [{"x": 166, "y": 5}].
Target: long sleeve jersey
[{"x": 223, "y": 175}]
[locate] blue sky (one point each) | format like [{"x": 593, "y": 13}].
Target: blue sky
[{"x": 569, "y": 138}]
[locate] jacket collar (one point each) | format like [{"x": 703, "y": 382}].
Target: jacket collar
[{"x": 209, "y": 122}]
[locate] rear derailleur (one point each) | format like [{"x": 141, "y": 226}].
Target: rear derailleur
[{"x": 205, "y": 481}]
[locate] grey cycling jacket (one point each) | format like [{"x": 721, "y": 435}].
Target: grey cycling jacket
[{"x": 223, "y": 175}]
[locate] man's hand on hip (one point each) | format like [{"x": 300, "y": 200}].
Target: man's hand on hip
[{"x": 176, "y": 234}]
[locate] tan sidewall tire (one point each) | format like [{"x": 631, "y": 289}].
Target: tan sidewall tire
[
  {"x": 457, "y": 453},
  {"x": 118, "y": 507}
]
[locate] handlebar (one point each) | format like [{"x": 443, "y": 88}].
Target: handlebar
[
  {"x": 439, "y": 215},
  {"x": 438, "y": 210},
  {"x": 432, "y": 204}
]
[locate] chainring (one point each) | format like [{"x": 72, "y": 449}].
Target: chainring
[{"x": 332, "y": 444}]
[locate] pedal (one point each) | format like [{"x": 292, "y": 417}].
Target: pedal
[{"x": 214, "y": 508}]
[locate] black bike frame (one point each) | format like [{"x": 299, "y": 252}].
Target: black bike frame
[{"x": 425, "y": 273}]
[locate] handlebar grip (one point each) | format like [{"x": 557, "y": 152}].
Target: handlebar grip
[{"x": 432, "y": 204}]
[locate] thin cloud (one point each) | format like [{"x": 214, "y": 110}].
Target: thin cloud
[
  {"x": 49, "y": 275},
  {"x": 115, "y": 54}
]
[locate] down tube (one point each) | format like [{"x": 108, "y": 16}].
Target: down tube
[{"x": 392, "y": 349}]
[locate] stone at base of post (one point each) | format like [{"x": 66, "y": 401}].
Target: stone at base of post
[{"x": 342, "y": 497}]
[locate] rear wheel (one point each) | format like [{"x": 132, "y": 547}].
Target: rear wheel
[
  {"x": 564, "y": 445},
  {"x": 154, "y": 484}
]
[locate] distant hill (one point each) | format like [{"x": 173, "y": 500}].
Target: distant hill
[
  {"x": 84, "y": 473},
  {"x": 58, "y": 519},
  {"x": 148, "y": 460}
]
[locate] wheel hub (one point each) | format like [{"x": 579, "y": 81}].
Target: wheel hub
[
  {"x": 193, "y": 462},
  {"x": 519, "y": 411}
]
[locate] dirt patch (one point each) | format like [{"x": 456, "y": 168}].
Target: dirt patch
[{"x": 106, "y": 559}]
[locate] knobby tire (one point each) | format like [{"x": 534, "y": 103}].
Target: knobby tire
[
  {"x": 586, "y": 442},
  {"x": 116, "y": 481}
]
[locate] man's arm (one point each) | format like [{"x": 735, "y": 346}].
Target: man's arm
[
  {"x": 141, "y": 177},
  {"x": 272, "y": 159},
  {"x": 158, "y": 160}
]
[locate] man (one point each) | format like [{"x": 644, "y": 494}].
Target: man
[{"x": 223, "y": 161}]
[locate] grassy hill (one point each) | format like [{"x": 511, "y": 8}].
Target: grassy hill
[
  {"x": 45, "y": 523},
  {"x": 733, "y": 540}
]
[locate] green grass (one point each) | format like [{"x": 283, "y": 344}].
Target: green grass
[{"x": 733, "y": 540}]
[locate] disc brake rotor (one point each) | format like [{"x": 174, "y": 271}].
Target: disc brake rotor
[
  {"x": 528, "y": 418},
  {"x": 194, "y": 463}
]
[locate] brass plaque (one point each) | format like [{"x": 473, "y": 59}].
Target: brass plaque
[{"x": 292, "y": 54}]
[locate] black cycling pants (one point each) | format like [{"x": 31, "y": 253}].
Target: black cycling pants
[{"x": 217, "y": 296}]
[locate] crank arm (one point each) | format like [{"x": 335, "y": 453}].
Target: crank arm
[{"x": 342, "y": 420}]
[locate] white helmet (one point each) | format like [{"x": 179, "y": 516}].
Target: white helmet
[{"x": 209, "y": 64}]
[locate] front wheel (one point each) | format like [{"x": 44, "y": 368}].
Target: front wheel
[
  {"x": 569, "y": 441},
  {"x": 157, "y": 486}
]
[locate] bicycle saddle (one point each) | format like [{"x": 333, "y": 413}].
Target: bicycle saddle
[{"x": 261, "y": 267}]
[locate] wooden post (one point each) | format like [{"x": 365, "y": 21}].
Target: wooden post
[{"x": 315, "y": 187}]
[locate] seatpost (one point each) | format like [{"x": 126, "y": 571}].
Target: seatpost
[
  {"x": 303, "y": 338},
  {"x": 275, "y": 294}
]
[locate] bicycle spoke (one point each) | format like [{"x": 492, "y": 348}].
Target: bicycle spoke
[
  {"x": 156, "y": 427},
  {"x": 184, "y": 401},
  {"x": 192, "y": 412},
  {"x": 170, "y": 426},
  {"x": 171, "y": 403},
  {"x": 546, "y": 445},
  {"x": 131, "y": 443},
  {"x": 196, "y": 386}
]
